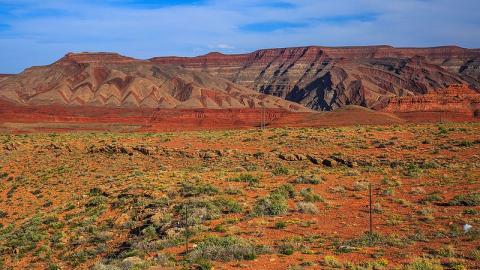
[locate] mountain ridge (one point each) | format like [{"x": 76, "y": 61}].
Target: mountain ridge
[
  {"x": 297, "y": 78},
  {"x": 325, "y": 78},
  {"x": 113, "y": 80}
]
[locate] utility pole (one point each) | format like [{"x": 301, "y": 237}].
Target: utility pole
[
  {"x": 371, "y": 218},
  {"x": 264, "y": 122}
]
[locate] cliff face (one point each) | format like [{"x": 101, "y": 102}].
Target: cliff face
[
  {"x": 455, "y": 102},
  {"x": 112, "y": 80},
  {"x": 324, "y": 78}
]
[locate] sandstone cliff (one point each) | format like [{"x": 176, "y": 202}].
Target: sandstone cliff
[
  {"x": 325, "y": 78},
  {"x": 456, "y": 102}
]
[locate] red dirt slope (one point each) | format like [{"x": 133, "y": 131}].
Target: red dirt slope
[{"x": 58, "y": 118}]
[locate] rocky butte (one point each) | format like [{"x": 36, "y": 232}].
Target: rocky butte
[
  {"x": 413, "y": 83},
  {"x": 325, "y": 78}
]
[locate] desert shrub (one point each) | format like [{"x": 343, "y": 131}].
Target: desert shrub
[
  {"x": 280, "y": 171},
  {"x": 424, "y": 264},
  {"x": 246, "y": 178},
  {"x": 228, "y": 205},
  {"x": 286, "y": 248},
  {"x": 359, "y": 186},
  {"x": 446, "y": 251},
  {"x": 391, "y": 182},
  {"x": 465, "y": 144},
  {"x": 307, "y": 208},
  {"x": 393, "y": 220},
  {"x": 96, "y": 192},
  {"x": 196, "y": 188},
  {"x": 286, "y": 191},
  {"x": 96, "y": 201},
  {"x": 472, "y": 199},
  {"x": 272, "y": 205},
  {"x": 226, "y": 249},
  {"x": 377, "y": 208},
  {"x": 280, "y": 225},
  {"x": 25, "y": 238},
  {"x": 232, "y": 191},
  {"x": 475, "y": 254},
  {"x": 431, "y": 198},
  {"x": 198, "y": 211},
  {"x": 337, "y": 189},
  {"x": 412, "y": 170},
  {"x": 309, "y": 196},
  {"x": 307, "y": 180},
  {"x": 332, "y": 262},
  {"x": 470, "y": 212},
  {"x": 426, "y": 214}
]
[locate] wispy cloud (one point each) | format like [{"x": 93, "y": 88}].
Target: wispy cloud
[{"x": 39, "y": 32}]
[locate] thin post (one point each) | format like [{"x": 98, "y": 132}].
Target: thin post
[
  {"x": 263, "y": 118},
  {"x": 186, "y": 228},
  {"x": 371, "y": 218}
]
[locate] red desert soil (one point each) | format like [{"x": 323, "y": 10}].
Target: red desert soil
[
  {"x": 25, "y": 118},
  {"x": 73, "y": 200}
]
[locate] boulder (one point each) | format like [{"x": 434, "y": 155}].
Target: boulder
[
  {"x": 288, "y": 157},
  {"x": 329, "y": 162},
  {"x": 313, "y": 159}
]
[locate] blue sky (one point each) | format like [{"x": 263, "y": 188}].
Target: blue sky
[{"x": 34, "y": 32}]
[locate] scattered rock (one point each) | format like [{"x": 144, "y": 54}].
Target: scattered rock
[
  {"x": 288, "y": 157},
  {"x": 144, "y": 150},
  {"x": 329, "y": 162},
  {"x": 207, "y": 154},
  {"x": 109, "y": 149},
  {"x": 300, "y": 157},
  {"x": 10, "y": 146},
  {"x": 313, "y": 159}
]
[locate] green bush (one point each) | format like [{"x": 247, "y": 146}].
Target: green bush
[
  {"x": 196, "y": 188},
  {"x": 228, "y": 206},
  {"x": 286, "y": 249},
  {"x": 412, "y": 170},
  {"x": 286, "y": 191},
  {"x": 226, "y": 249},
  {"x": 272, "y": 205},
  {"x": 280, "y": 225},
  {"x": 472, "y": 199},
  {"x": 309, "y": 196},
  {"x": 307, "y": 180},
  {"x": 307, "y": 208},
  {"x": 246, "y": 178},
  {"x": 332, "y": 262},
  {"x": 280, "y": 171},
  {"x": 431, "y": 198},
  {"x": 424, "y": 264}
]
